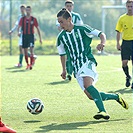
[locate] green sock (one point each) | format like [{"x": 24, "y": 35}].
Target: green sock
[
  {"x": 108, "y": 96},
  {"x": 97, "y": 97},
  {"x": 28, "y": 54},
  {"x": 20, "y": 58}
]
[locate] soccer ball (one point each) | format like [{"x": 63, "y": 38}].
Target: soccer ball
[{"x": 35, "y": 106}]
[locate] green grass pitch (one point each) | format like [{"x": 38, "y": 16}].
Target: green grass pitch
[{"x": 67, "y": 109}]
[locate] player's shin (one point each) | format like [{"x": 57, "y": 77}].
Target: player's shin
[
  {"x": 20, "y": 58},
  {"x": 126, "y": 70},
  {"x": 96, "y": 97},
  {"x": 108, "y": 96},
  {"x": 26, "y": 59},
  {"x": 31, "y": 59}
]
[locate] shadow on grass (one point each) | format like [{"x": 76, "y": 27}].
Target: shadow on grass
[
  {"x": 122, "y": 91},
  {"x": 59, "y": 82},
  {"x": 32, "y": 121},
  {"x": 19, "y": 71},
  {"x": 15, "y": 71},
  {"x": 72, "y": 126},
  {"x": 10, "y": 68}
]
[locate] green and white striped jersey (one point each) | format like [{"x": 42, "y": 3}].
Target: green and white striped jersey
[
  {"x": 76, "y": 19},
  {"x": 76, "y": 44},
  {"x": 17, "y": 23}
]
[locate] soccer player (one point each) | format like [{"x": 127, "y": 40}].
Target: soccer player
[
  {"x": 27, "y": 23},
  {"x": 76, "y": 19},
  {"x": 22, "y": 9},
  {"x": 5, "y": 129},
  {"x": 23, "y": 13},
  {"x": 125, "y": 27},
  {"x": 75, "y": 41}
]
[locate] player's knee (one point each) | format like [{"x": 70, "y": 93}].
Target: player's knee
[
  {"x": 87, "y": 85},
  {"x": 124, "y": 63},
  {"x": 88, "y": 95}
]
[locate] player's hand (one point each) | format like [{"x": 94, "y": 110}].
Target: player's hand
[
  {"x": 40, "y": 41},
  {"x": 10, "y": 32},
  {"x": 118, "y": 46},
  {"x": 35, "y": 39},
  {"x": 100, "y": 47},
  {"x": 19, "y": 34},
  {"x": 63, "y": 75}
]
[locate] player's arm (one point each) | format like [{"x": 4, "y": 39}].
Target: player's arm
[
  {"x": 118, "y": 36},
  {"x": 39, "y": 34},
  {"x": 63, "y": 63},
  {"x": 38, "y": 30},
  {"x": 62, "y": 53},
  {"x": 18, "y": 30},
  {"x": 90, "y": 31},
  {"x": 118, "y": 29},
  {"x": 102, "y": 37},
  {"x": 14, "y": 28},
  {"x": 19, "y": 26}
]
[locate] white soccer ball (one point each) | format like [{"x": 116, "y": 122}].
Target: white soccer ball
[{"x": 35, "y": 106}]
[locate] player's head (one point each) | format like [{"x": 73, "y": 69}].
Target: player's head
[
  {"x": 64, "y": 18},
  {"x": 22, "y": 9},
  {"x": 129, "y": 5},
  {"x": 28, "y": 10},
  {"x": 69, "y": 4}
]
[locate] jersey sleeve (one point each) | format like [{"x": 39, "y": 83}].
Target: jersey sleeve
[
  {"x": 119, "y": 26},
  {"x": 60, "y": 47},
  {"x": 35, "y": 22},
  {"x": 90, "y": 32},
  {"x": 79, "y": 20}
]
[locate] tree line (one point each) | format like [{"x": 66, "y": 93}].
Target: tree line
[{"x": 45, "y": 11}]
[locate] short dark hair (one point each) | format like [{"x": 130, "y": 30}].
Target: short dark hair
[
  {"x": 69, "y": 1},
  {"x": 28, "y": 7},
  {"x": 21, "y": 6},
  {"x": 129, "y": 1},
  {"x": 64, "y": 13}
]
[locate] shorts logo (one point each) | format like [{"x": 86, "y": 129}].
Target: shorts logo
[{"x": 82, "y": 72}]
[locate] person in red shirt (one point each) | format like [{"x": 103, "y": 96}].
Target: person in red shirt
[
  {"x": 5, "y": 129},
  {"x": 27, "y": 23}
]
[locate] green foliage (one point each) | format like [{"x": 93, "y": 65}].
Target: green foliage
[
  {"x": 49, "y": 47},
  {"x": 67, "y": 109},
  {"x": 45, "y": 11}
]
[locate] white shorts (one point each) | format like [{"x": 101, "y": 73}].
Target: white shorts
[
  {"x": 87, "y": 70},
  {"x": 20, "y": 40}
]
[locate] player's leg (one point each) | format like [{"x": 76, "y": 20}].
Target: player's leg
[
  {"x": 104, "y": 96},
  {"x": 110, "y": 96},
  {"x": 125, "y": 55},
  {"x": 126, "y": 71},
  {"x": 5, "y": 129},
  {"x": 86, "y": 77},
  {"x": 31, "y": 50},
  {"x": 31, "y": 56},
  {"x": 20, "y": 52},
  {"x": 96, "y": 97},
  {"x": 26, "y": 58}
]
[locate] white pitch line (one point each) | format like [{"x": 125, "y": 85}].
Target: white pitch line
[{"x": 108, "y": 71}]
